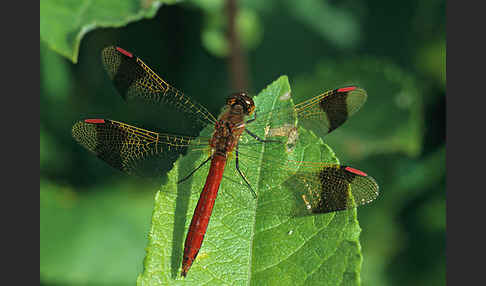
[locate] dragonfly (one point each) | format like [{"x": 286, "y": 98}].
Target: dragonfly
[{"x": 320, "y": 187}]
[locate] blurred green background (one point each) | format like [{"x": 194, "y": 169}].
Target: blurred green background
[{"x": 94, "y": 220}]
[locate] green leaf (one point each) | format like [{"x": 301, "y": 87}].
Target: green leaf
[
  {"x": 95, "y": 237},
  {"x": 55, "y": 75},
  {"x": 64, "y": 23},
  {"x": 252, "y": 241}
]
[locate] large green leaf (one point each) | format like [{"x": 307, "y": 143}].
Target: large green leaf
[
  {"x": 253, "y": 241},
  {"x": 63, "y": 23},
  {"x": 92, "y": 238}
]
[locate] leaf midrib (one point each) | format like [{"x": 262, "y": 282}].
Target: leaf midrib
[{"x": 252, "y": 234}]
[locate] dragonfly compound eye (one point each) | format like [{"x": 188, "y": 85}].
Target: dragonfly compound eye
[{"x": 242, "y": 98}]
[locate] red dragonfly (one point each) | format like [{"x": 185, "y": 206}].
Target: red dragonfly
[{"x": 321, "y": 187}]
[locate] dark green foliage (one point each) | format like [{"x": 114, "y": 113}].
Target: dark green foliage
[{"x": 95, "y": 221}]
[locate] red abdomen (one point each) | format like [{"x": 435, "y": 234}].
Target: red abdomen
[{"x": 202, "y": 213}]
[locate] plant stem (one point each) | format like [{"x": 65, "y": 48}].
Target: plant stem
[{"x": 237, "y": 61}]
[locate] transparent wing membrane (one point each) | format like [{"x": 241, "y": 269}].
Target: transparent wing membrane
[
  {"x": 321, "y": 114},
  {"x": 328, "y": 111},
  {"x": 331, "y": 188},
  {"x": 131, "y": 149},
  {"x": 317, "y": 187},
  {"x": 134, "y": 80}
]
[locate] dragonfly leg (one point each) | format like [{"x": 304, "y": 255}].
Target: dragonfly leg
[
  {"x": 242, "y": 175},
  {"x": 258, "y": 138},
  {"x": 251, "y": 120},
  {"x": 193, "y": 171},
  {"x": 254, "y": 135}
]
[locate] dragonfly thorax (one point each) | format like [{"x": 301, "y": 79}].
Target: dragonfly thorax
[{"x": 228, "y": 129}]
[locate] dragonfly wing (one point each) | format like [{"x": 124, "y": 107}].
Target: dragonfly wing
[
  {"x": 315, "y": 187},
  {"x": 134, "y": 80},
  {"x": 326, "y": 112},
  {"x": 321, "y": 114},
  {"x": 330, "y": 188},
  {"x": 131, "y": 149}
]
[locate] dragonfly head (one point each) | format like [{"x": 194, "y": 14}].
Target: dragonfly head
[{"x": 242, "y": 99}]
